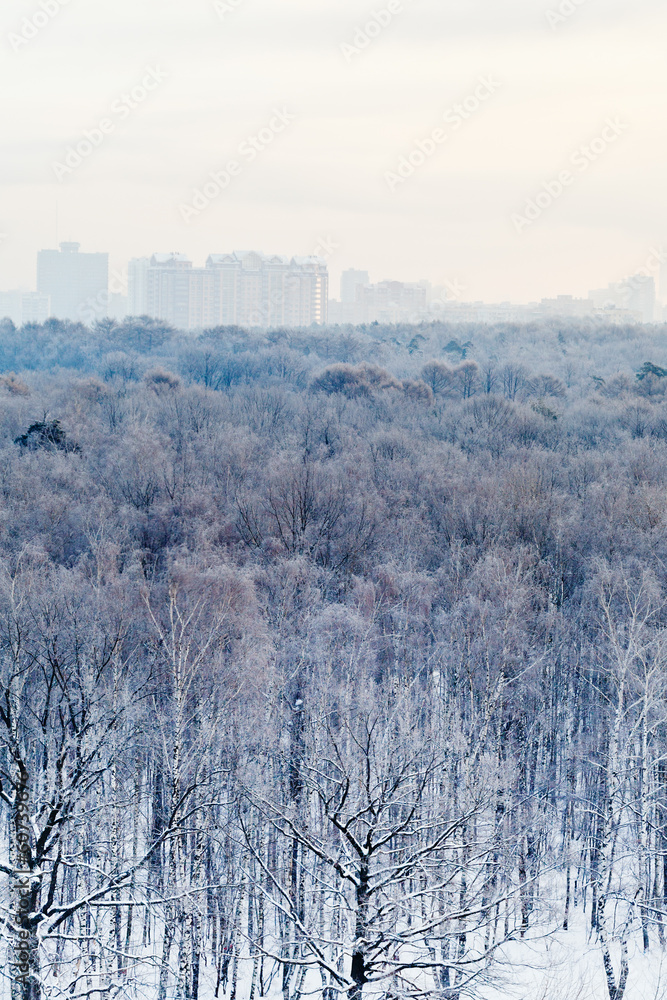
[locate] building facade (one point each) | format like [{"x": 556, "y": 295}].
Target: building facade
[
  {"x": 241, "y": 288},
  {"x": 73, "y": 281},
  {"x": 168, "y": 289}
]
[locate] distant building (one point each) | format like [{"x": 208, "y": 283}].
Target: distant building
[
  {"x": 255, "y": 289},
  {"x": 137, "y": 286},
  {"x": 75, "y": 282},
  {"x": 342, "y": 312},
  {"x": 168, "y": 288},
  {"x": 307, "y": 291},
  {"x": 634, "y": 295},
  {"x": 347, "y": 310},
  {"x": 384, "y": 302},
  {"x": 393, "y": 302},
  {"x": 566, "y": 305},
  {"x": 24, "y": 307},
  {"x": 240, "y": 288},
  {"x": 350, "y": 281}
]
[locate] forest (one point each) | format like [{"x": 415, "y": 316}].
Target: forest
[{"x": 333, "y": 662}]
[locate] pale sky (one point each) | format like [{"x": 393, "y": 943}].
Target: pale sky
[{"x": 350, "y": 106}]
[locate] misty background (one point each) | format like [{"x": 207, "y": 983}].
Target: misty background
[{"x": 227, "y": 68}]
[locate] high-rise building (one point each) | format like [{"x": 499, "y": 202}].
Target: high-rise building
[
  {"x": 168, "y": 288},
  {"x": 137, "y": 286},
  {"x": 307, "y": 292},
  {"x": 72, "y": 280},
  {"x": 255, "y": 289},
  {"x": 350, "y": 281},
  {"x": 240, "y": 288}
]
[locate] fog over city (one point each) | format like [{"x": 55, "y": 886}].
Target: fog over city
[
  {"x": 358, "y": 107},
  {"x": 333, "y": 500}
]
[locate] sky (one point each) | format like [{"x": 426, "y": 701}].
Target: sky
[{"x": 511, "y": 149}]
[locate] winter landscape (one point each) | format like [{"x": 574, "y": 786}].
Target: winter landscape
[
  {"x": 333, "y": 500},
  {"x": 334, "y": 662}
]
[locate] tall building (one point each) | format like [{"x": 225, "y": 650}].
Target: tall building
[
  {"x": 137, "y": 286},
  {"x": 307, "y": 287},
  {"x": 240, "y": 288},
  {"x": 255, "y": 289},
  {"x": 350, "y": 281},
  {"x": 73, "y": 281},
  {"x": 168, "y": 288}
]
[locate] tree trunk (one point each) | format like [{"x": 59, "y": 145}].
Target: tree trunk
[
  {"x": 24, "y": 891},
  {"x": 358, "y": 971}
]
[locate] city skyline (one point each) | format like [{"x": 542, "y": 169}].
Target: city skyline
[
  {"x": 253, "y": 289},
  {"x": 424, "y": 142},
  {"x": 653, "y": 263}
]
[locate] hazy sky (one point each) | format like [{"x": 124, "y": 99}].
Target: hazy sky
[{"x": 357, "y": 87}]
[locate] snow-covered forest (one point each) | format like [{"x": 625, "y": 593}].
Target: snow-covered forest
[{"x": 333, "y": 662}]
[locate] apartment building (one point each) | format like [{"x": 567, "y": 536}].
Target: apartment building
[{"x": 240, "y": 288}]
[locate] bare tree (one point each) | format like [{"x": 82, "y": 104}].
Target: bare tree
[{"x": 397, "y": 877}]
